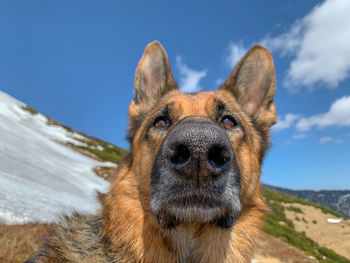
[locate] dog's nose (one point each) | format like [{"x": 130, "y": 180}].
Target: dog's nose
[{"x": 196, "y": 148}]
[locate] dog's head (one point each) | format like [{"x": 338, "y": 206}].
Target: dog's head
[{"x": 198, "y": 156}]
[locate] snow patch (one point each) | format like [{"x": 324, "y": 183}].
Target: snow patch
[
  {"x": 40, "y": 177},
  {"x": 334, "y": 220}
]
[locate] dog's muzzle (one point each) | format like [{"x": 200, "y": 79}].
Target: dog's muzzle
[
  {"x": 197, "y": 150},
  {"x": 195, "y": 177}
]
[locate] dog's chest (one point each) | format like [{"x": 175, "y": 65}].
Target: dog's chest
[{"x": 184, "y": 244}]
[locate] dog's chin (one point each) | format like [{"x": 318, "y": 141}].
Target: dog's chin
[
  {"x": 176, "y": 201},
  {"x": 174, "y": 216}
]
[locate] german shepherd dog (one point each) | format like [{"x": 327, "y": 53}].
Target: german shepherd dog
[{"x": 189, "y": 189}]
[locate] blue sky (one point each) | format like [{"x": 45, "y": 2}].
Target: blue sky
[{"x": 75, "y": 61}]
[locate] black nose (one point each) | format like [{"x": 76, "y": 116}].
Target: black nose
[{"x": 196, "y": 148}]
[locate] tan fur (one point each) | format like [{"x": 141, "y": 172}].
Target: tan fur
[
  {"x": 127, "y": 230},
  {"x": 139, "y": 228}
]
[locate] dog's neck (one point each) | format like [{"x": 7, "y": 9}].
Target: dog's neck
[
  {"x": 194, "y": 242},
  {"x": 182, "y": 241},
  {"x": 137, "y": 229}
]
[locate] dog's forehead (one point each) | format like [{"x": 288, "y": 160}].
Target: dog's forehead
[
  {"x": 201, "y": 103},
  {"x": 194, "y": 104}
]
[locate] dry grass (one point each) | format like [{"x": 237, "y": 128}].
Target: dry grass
[
  {"x": 331, "y": 236},
  {"x": 273, "y": 250},
  {"x": 279, "y": 225},
  {"x": 20, "y": 242}
]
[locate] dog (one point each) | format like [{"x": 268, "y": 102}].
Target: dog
[{"x": 189, "y": 190}]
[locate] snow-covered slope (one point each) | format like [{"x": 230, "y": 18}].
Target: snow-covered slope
[{"x": 40, "y": 177}]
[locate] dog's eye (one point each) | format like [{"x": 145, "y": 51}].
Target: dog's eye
[
  {"x": 160, "y": 123},
  {"x": 229, "y": 122}
]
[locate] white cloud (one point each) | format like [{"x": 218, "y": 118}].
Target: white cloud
[
  {"x": 319, "y": 44},
  {"x": 338, "y": 115},
  {"x": 235, "y": 52},
  {"x": 299, "y": 136},
  {"x": 286, "y": 122},
  {"x": 189, "y": 78},
  {"x": 329, "y": 139},
  {"x": 219, "y": 82},
  {"x": 287, "y": 42}
]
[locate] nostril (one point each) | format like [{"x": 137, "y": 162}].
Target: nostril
[
  {"x": 217, "y": 156},
  {"x": 182, "y": 154}
]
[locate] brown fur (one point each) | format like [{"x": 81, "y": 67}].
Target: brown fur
[{"x": 126, "y": 230}]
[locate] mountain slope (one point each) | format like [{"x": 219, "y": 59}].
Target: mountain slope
[
  {"x": 285, "y": 226},
  {"x": 336, "y": 200},
  {"x": 41, "y": 176}
]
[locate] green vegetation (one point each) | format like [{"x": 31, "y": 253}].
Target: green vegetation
[
  {"x": 314, "y": 221},
  {"x": 103, "y": 150},
  {"x": 280, "y": 197},
  {"x": 304, "y": 220},
  {"x": 278, "y": 225},
  {"x": 67, "y": 128},
  {"x": 294, "y": 209},
  {"x": 29, "y": 109}
]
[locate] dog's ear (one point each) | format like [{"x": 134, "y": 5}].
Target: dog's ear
[
  {"x": 253, "y": 84},
  {"x": 153, "y": 79}
]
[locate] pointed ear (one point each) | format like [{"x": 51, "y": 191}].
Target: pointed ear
[
  {"x": 153, "y": 79},
  {"x": 253, "y": 84}
]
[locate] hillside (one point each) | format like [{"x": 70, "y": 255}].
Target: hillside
[
  {"x": 335, "y": 200},
  {"x": 47, "y": 168},
  {"x": 303, "y": 225},
  {"x": 41, "y": 175}
]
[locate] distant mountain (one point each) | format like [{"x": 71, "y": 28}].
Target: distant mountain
[
  {"x": 48, "y": 169},
  {"x": 336, "y": 200}
]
